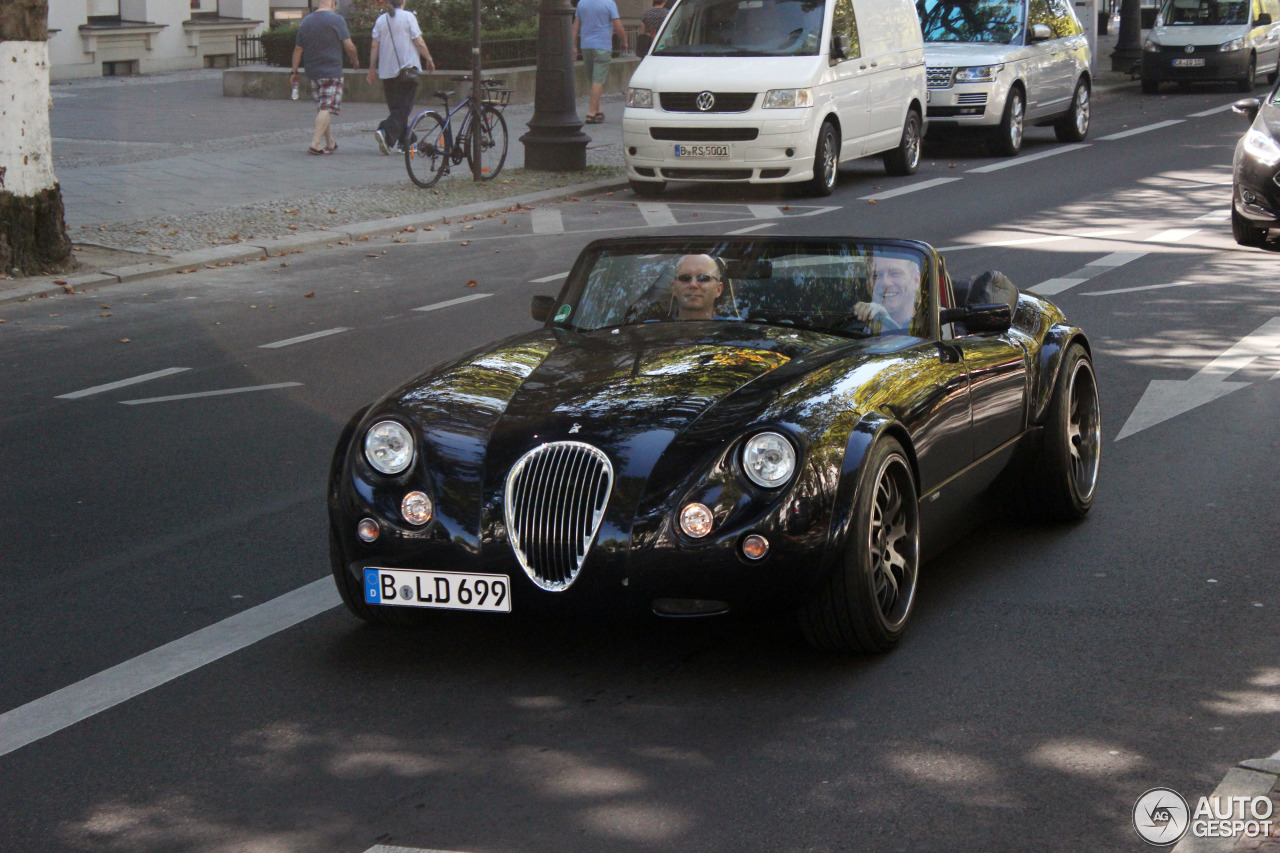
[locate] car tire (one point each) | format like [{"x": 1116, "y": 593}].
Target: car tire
[
  {"x": 1150, "y": 87},
  {"x": 1007, "y": 140},
  {"x": 905, "y": 159},
  {"x": 1245, "y": 83},
  {"x": 1074, "y": 126},
  {"x": 826, "y": 161},
  {"x": 868, "y": 600},
  {"x": 1245, "y": 232},
  {"x": 1062, "y": 479},
  {"x": 648, "y": 189}
]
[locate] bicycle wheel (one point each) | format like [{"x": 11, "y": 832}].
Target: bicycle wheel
[
  {"x": 427, "y": 155},
  {"x": 493, "y": 143}
]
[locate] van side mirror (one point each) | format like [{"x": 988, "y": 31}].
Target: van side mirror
[
  {"x": 979, "y": 318},
  {"x": 541, "y": 308},
  {"x": 1247, "y": 106},
  {"x": 840, "y": 47},
  {"x": 1264, "y": 20},
  {"x": 1040, "y": 32}
]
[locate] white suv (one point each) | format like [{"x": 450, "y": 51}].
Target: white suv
[{"x": 996, "y": 65}]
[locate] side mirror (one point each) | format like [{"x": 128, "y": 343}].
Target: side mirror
[
  {"x": 840, "y": 47},
  {"x": 1041, "y": 32},
  {"x": 1248, "y": 107},
  {"x": 1264, "y": 20},
  {"x": 980, "y": 318},
  {"x": 541, "y": 308}
]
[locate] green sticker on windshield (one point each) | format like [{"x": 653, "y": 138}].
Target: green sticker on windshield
[{"x": 563, "y": 313}]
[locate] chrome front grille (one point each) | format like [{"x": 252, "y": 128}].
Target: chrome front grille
[
  {"x": 939, "y": 77},
  {"x": 555, "y": 499}
]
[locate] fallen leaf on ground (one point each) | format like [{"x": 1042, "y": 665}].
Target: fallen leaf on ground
[
  {"x": 308, "y": 295},
  {"x": 471, "y": 283}
]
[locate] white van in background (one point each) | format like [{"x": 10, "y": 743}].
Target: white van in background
[
  {"x": 1208, "y": 40},
  {"x": 776, "y": 91}
]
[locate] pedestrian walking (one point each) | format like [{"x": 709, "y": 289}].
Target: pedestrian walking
[
  {"x": 397, "y": 44},
  {"x": 650, "y": 20},
  {"x": 322, "y": 37},
  {"x": 596, "y": 21}
]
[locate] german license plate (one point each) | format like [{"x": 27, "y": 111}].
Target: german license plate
[
  {"x": 712, "y": 151},
  {"x": 1197, "y": 62},
  {"x": 441, "y": 590}
]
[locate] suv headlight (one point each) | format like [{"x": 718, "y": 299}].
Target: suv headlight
[
  {"x": 978, "y": 74},
  {"x": 640, "y": 98},
  {"x": 388, "y": 446},
  {"x": 769, "y": 460},
  {"x": 1234, "y": 44},
  {"x": 1151, "y": 46},
  {"x": 1261, "y": 147},
  {"x": 786, "y": 99}
]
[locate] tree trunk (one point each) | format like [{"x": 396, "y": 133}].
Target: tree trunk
[{"x": 33, "y": 233}]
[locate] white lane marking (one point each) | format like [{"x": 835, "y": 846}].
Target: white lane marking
[
  {"x": 1167, "y": 398},
  {"x": 123, "y": 383},
  {"x": 1017, "y": 241},
  {"x": 751, "y": 228},
  {"x": 221, "y": 393},
  {"x": 66, "y": 707},
  {"x": 1215, "y": 216},
  {"x": 1203, "y": 113},
  {"x": 656, "y": 213},
  {"x": 818, "y": 211},
  {"x": 1028, "y": 158},
  {"x": 1172, "y": 236},
  {"x": 765, "y": 211},
  {"x": 1143, "y": 287},
  {"x": 1135, "y": 131},
  {"x": 547, "y": 278},
  {"x": 1058, "y": 285},
  {"x": 388, "y": 848},
  {"x": 923, "y": 185},
  {"x": 450, "y": 302},
  {"x": 547, "y": 221},
  {"x": 288, "y": 342}
]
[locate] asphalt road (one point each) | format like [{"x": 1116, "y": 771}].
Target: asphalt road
[{"x": 1051, "y": 674}]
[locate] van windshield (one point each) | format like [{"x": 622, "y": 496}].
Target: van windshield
[
  {"x": 990, "y": 21},
  {"x": 743, "y": 28},
  {"x": 1205, "y": 13}
]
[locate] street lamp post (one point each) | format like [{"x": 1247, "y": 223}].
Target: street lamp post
[
  {"x": 555, "y": 141},
  {"x": 1129, "y": 39}
]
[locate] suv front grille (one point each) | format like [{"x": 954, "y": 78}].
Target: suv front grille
[{"x": 939, "y": 77}]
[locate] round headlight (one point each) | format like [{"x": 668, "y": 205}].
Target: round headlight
[
  {"x": 389, "y": 447},
  {"x": 696, "y": 520},
  {"x": 769, "y": 460},
  {"x": 416, "y": 508}
]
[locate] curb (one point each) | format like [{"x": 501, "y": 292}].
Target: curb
[
  {"x": 239, "y": 252},
  {"x": 1254, "y": 777}
]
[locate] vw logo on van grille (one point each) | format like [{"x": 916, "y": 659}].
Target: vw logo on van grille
[
  {"x": 706, "y": 101},
  {"x": 1191, "y": 48}
]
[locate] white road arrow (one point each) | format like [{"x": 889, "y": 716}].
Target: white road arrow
[{"x": 1167, "y": 398}]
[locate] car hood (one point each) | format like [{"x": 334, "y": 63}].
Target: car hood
[
  {"x": 725, "y": 73},
  {"x": 1197, "y": 35},
  {"x": 965, "y": 54}
]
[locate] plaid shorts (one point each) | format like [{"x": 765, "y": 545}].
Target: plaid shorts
[{"x": 327, "y": 93}]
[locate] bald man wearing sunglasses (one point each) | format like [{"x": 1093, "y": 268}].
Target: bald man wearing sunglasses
[{"x": 696, "y": 287}]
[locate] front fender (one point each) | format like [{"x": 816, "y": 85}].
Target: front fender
[{"x": 1053, "y": 347}]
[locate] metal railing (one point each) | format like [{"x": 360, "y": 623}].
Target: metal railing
[{"x": 249, "y": 51}]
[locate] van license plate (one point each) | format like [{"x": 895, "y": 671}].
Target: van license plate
[
  {"x": 713, "y": 151},
  {"x": 1197, "y": 62}
]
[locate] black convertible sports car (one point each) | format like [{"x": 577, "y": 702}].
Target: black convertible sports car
[{"x": 713, "y": 424}]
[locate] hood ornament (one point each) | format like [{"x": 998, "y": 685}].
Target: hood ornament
[{"x": 576, "y": 428}]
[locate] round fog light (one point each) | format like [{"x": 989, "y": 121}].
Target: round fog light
[
  {"x": 696, "y": 520},
  {"x": 416, "y": 508},
  {"x": 367, "y": 530},
  {"x": 755, "y": 547}
]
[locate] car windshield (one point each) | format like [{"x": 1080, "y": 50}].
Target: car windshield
[
  {"x": 743, "y": 28},
  {"x": 990, "y": 21},
  {"x": 846, "y": 287},
  {"x": 1205, "y": 13}
]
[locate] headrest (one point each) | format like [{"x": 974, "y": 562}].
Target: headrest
[{"x": 991, "y": 288}]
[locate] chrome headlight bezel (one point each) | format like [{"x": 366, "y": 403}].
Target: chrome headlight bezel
[
  {"x": 389, "y": 447},
  {"x": 1262, "y": 147},
  {"x": 769, "y": 460},
  {"x": 787, "y": 99},
  {"x": 641, "y": 99},
  {"x": 978, "y": 74}
]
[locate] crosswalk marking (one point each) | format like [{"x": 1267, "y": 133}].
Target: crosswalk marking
[
  {"x": 759, "y": 227},
  {"x": 1110, "y": 262},
  {"x": 656, "y": 213},
  {"x": 547, "y": 221},
  {"x": 765, "y": 211},
  {"x": 1215, "y": 216},
  {"x": 1173, "y": 235}
]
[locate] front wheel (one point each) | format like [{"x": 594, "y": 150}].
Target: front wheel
[
  {"x": 1245, "y": 232},
  {"x": 826, "y": 160},
  {"x": 1245, "y": 83},
  {"x": 1007, "y": 141},
  {"x": 492, "y": 131},
  {"x": 427, "y": 155},
  {"x": 1074, "y": 126},
  {"x": 904, "y": 159},
  {"x": 866, "y": 604},
  {"x": 1063, "y": 479}
]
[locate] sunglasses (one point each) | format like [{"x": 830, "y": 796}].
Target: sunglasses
[{"x": 701, "y": 278}]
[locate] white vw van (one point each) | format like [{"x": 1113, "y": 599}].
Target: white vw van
[
  {"x": 776, "y": 91},
  {"x": 1205, "y": 40}
]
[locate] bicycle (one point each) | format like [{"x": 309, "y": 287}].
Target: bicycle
[{"x": 434, "y": 147}]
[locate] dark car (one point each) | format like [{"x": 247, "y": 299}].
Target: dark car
[
  {"x": 841, "y": 410},
  {"x": 1255, "y": 170}
]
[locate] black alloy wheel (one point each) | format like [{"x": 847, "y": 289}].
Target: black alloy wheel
[{"x": 1063, "y": 479}]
